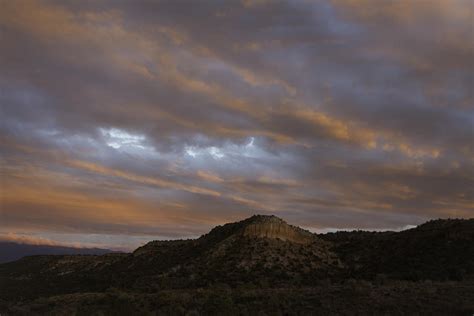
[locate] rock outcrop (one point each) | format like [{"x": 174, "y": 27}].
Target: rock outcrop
[{"x": 273, "y": 227}]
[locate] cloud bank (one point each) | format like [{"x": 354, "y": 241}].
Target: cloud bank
[{"x": 165, "y": 118}]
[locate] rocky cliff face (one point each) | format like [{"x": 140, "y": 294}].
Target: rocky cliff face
[{"x": 274, "y": 227}]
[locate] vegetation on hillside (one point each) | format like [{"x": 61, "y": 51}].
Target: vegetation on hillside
[{"x": 422, "y": 270}]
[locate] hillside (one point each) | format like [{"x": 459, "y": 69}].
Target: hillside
[
  {"x": 437, "y": 250},
  {"x": 237, "y": 265}
]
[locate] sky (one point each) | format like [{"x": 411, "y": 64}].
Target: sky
[{"x": 126, "y": 121}]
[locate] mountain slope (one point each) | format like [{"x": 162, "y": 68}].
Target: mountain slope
[
  {"x": 260, "y": 248},
  {"x": 437, "y": 250},
  {"x": 261, "y": 253}
]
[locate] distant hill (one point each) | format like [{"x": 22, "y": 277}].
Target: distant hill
[
  {"x": 11, "y": 251},
  {"x": 258, "y": 265}
]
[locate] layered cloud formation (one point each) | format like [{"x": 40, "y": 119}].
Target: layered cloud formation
[{"x": 128, "y": 120}]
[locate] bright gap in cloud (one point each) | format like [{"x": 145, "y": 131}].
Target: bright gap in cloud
[
  {"x": 118, "y": 138},
  {"x": 213, "y": 151},
  {"x": 221, "y": 152},
  {"x": 122, "y": 140}
]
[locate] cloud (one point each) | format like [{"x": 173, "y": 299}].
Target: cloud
[
  {"x": 40, "y": 241},
  {"x": 136, "y": 119}
]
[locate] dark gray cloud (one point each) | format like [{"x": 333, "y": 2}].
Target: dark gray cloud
[{"x": 165, "y": 118}]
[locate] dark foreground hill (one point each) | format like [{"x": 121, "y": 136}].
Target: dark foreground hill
[{"x": 259, "y": 265}]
